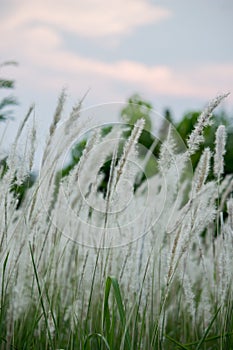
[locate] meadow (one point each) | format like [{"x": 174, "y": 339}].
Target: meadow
[{"x": 145, "y": 264}]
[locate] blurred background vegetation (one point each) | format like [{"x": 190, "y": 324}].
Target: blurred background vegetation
[
  {"x": 9, "y": 101},
  {"x": 135, "y": 109}
]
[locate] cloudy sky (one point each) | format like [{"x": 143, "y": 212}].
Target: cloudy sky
[{"x": 176, "y": 54}]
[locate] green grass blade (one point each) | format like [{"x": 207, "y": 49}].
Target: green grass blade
[
  {"x": 3, "y": 281},
  {"x": 9, "y": 345},
  {"x": 41, "y": 297},
  {"x": 207, "y": 330},
  {"x": 112, "y": 281},
  {"x": 97, "y": 335},
  {"x": 214, "y": 337},
  {"x": 181, "y": 346},
  {"x": 92, "y": 287}
]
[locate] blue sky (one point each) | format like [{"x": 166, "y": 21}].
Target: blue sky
[{"x": 176, "y": 54}]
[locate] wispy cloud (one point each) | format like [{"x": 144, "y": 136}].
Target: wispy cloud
[
  {"x": 89, "y": 18},
  {"x": 60, "y": 66},
  {"x": 33, "y": 36}
]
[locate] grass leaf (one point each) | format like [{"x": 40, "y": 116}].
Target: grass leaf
[
  {"x": 207, "y": 330},
  {"x": 112, "y": 281}
]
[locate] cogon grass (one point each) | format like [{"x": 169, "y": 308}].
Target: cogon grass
[{"x": 158, "y": 279}]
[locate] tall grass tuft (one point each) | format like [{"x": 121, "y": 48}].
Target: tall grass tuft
[{"x": 137, "y": 267}]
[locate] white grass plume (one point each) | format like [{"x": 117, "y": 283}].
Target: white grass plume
[
  {"x": 204, "y": 120},
  {"x": 154, "y": 260},
  {"x": 220, "y": 150}
]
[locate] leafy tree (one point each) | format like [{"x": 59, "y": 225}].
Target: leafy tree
[
  {"x": 185, "y": 126},
  {"x": 6, "y": 104},
  {"x": 137, "y": 108},
  {"x": 9, "y": 101}
]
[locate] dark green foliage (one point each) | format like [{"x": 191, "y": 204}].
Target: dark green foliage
[
  {"x": 137, "y": 108},
  {"x": 9, "y": 101},
  {"x": 185, "y": 126},
  {"x": 18, "y": 190},
  {"x": 76, "y": 154}
]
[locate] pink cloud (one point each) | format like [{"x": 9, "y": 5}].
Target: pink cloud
[
  {"x": 45, "y": 62},
  {"x": 90, "y": 18},
  {"x": 201, "y": 82}
]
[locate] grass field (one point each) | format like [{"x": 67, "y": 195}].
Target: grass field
[{"x": 145, "y": 267}]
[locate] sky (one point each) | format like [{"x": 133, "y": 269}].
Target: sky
[{"x": 176, "y": 54}]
